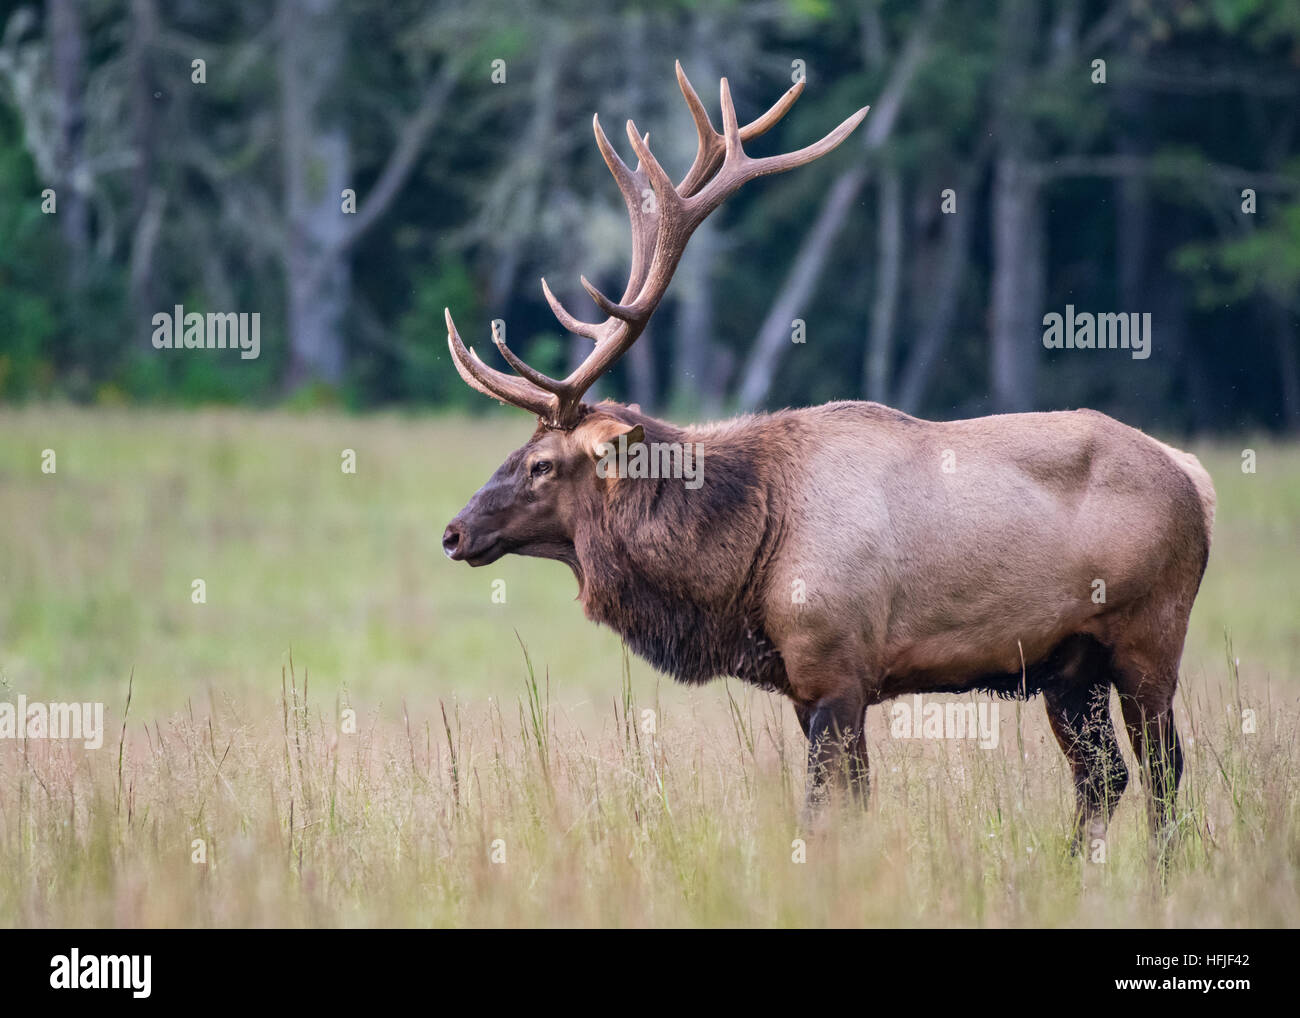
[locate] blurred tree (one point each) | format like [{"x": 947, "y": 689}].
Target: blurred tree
[{"x": 465, "y": 134}]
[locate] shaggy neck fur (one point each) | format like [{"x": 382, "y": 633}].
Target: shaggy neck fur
[{"x": 679, "y": 573}]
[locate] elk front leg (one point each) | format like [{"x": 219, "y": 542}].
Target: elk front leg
[{"x": 837, "y": 748}]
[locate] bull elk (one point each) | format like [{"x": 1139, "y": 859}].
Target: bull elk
[{"x": 932, "y": 557}]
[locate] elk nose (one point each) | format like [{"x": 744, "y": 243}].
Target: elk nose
[{"x": 451, "y": 540}]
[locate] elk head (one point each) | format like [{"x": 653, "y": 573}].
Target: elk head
[{"x": 532, "y": 503}]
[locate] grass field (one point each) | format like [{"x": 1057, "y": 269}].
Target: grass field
[{"x": 483, "y": 788}]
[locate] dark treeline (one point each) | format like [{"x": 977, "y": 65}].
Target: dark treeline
[{"x": 346, "y": 169}]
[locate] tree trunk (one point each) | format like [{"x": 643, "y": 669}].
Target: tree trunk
[
  {"x": 1285, "y": 342},
  {"x": 884, "y": 311},
  {"x": 1019, "y": 281},
  {"x": 147, "y": 199},
  {"x": 792, "y": 300},
  {"x": 944, "y": 298},
  {"x": 1133, "y": 216},
  {"x": 532, "y": 159},
  {"x": 68, "y": 47},
  {"x": 1019, "y": 285},
  {"x": 694, "y": 333},
  {"x": 794, "y": 297},
  {"x": 317, "y": 166}
]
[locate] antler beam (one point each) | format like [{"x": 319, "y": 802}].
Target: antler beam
[{"x": 659, "y": 238}]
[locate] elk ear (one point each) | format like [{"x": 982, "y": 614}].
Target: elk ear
[{"x": 603, "y": 436}]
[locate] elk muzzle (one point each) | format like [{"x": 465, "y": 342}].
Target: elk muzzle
[{"x": 479, "y": 546}]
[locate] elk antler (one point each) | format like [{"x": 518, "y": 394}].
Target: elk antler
[{"x": 659, "y": 237}]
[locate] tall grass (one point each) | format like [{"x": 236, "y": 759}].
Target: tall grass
[
  {"x": 489, "y": 816},
  {"x": 412, "y": 761}
]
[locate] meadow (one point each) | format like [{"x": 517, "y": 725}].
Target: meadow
[{"x": 350, "y": 730}]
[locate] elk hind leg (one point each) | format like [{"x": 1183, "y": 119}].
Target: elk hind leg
[
  {"x": 1078, "y": 709},
  {"x": 1146, "y": 697}
]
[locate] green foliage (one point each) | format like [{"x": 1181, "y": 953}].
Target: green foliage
[
  {"x": 427, "y": 374},
  {"x": 1260, "y": 263},
  {"x": 508, "y": 186},
  {"x": 30, "y": 317}
]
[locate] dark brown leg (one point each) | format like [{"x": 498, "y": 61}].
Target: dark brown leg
[
  {"x": 837, "y": 749},
  {"x": 1080, "y": 718}
]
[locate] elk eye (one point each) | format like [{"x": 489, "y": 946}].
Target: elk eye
[{"x": 541, "y": 467}]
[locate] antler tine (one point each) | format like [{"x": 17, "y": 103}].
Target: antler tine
[
  {"x": 592, "y": 330},
  {"x": 650, "y": 166},
  {"x": 631, "y": 184},
  {"x": 497, "y": 384},
  {"x": 759, "y": 127},
  {"x": 707, "y": 152},
  {"x": 681, "y": 212},
  {"x": 624, "y": 177},
  {"x": 645, "y": 241},
  {"x": 789, "y": 160},
  {"x": 738, "y": 168},
  {"x": 730, "y": 129},
  {"x": 659, "y": 238},
  {"x": 711, "y": 148},
  {"x": 603, "y": 302},
  {"x": 531, "y": 374}
]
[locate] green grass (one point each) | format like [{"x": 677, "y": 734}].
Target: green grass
[{"x": 601, "y": 821}]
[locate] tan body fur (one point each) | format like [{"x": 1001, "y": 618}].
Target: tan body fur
[{"x": 949, "y": 575}]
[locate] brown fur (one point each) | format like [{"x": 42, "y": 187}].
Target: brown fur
[{"x": 917, "y": 579}]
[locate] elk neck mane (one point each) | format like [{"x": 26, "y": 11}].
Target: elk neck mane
[{"x": 679, "y": 572}]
